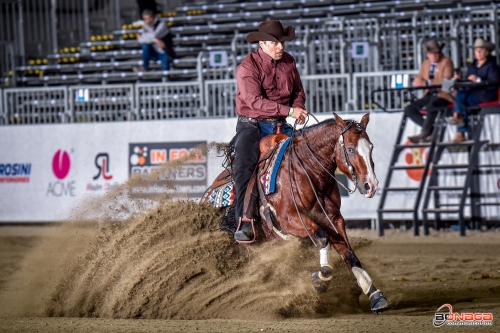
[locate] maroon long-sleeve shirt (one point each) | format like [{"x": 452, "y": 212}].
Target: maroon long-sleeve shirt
[{"x": 268, "y": 88}]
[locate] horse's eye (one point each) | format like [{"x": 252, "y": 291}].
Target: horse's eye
[{"x": 350, "y": 150}]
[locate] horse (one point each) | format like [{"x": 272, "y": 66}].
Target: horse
[{"x": 306, "y": 202}]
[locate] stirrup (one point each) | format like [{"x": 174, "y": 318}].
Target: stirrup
[{"x": 244, "y": 219}]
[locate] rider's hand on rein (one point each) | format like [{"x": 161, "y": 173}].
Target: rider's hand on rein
[{"x": 300, "y": 115}]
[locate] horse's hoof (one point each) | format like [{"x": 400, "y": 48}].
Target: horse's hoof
[
  {"x": 378, "y": 302},
  {"x": 321, "y": 279}
]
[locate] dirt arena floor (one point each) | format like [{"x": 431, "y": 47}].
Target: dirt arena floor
[{"x": 169, "y": 270}]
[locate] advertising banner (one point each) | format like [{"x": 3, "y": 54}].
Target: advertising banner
[
  {"x": 47, "y": 171},
  {"x": 189, "y": 178}
]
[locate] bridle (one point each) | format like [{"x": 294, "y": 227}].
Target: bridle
[
  {"x": 351, "y": 169},
  {"x": 349, "y": 165}
]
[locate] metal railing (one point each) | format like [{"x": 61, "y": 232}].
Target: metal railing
[
  {"x": 168, "y": 100},
  {"x": 220, "y": 98},
  {"x": 36, "y": 105},
  {"x": 204, "y": 98},
  {"x": 96, "y": 103},
  {"x": 327, "y": 93},
  {"x": 484, "y": 24},
  {"x": 365, "y": 83}
]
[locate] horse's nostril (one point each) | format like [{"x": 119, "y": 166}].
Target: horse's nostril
[{"x": 367, "y": 187}]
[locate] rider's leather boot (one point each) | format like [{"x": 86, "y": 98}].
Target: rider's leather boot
[{"x": 245, "y": 233}]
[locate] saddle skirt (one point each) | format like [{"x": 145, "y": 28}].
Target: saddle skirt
[{"x": 222, "y": 192}]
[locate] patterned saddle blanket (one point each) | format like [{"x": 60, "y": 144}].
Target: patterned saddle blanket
[{"x": 224, "y": 195}]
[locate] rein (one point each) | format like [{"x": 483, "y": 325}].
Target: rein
[{"x": 349, "y": 165}]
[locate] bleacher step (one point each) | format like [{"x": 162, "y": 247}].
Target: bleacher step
[
  {"x": 446, "y": 188},
  {"x": 440, "y": 210},
  {"x": 451, "y": 166},
  {"x": 406, "y": 167},
  {"x": 399, "y": 189},
  {"x": 396, "y": 210}
]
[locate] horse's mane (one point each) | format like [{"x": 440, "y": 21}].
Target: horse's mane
[{"x": 355, "y": 124}]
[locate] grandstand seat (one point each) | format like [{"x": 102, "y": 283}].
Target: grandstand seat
[{"x": 492, "y": 103}]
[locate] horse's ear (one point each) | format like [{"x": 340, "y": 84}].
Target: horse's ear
[
  {"x": 339, "y": 120},
  {"x": 364, "y": 121}
]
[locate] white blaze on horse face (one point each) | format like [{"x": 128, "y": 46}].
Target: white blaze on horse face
[{"x": 364, "y": 149}]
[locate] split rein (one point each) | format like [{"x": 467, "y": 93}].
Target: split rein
[{"x": 349, "y": 165}]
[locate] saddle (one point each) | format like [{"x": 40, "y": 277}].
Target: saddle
[{"x": 254, "y": 192}]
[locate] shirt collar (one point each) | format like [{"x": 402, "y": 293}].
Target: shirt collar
[{"x": 266, "y": 59}]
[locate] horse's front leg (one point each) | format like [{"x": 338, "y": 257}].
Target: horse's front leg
[
  {"x": 340, "y": 243},
  {"x": 322, "y": 278}
]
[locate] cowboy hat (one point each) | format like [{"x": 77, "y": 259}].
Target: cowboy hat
[
  {"x": 479, "y": 42},
  {"x": 433, "y": 46},
  {"x": 271, "y": 31}
]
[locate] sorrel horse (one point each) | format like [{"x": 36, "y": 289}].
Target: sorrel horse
[{"x": 306, "y": 202}]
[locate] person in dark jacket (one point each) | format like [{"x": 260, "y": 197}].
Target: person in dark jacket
[{"x": 484, "y": 68}]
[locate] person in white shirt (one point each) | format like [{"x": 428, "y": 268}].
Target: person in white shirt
[{"x": 153, "y": 40}]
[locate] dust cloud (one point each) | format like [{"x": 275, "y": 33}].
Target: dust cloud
[{"x": 167, "y": 259}]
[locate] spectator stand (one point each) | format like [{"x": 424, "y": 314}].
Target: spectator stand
[
  {"x": 7, "y": 64},
  {"x": 322, "y": 50}
]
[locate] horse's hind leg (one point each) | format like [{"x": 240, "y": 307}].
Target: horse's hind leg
[
  {"x": 321, "y": 278},
  {"x": 340, "y": 243}
]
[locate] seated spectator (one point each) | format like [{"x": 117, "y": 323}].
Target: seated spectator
[
  {"x": 484, "y": 68},
  {"x": 432, "y": 72},
  {"x": 147, "y": 4},
  {"x": 154, "y": 39}
]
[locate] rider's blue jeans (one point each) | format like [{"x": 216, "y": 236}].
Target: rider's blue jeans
[
  {"x": 149, "y": 53},
  {"x": 266, "y": 129}
]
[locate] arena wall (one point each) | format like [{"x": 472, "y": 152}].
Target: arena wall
[{"x": 47, "y": 171}]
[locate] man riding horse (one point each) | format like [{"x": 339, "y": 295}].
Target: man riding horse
[
  {"x": 295, "y": 181},
  {"x": 269, "y": 91}
]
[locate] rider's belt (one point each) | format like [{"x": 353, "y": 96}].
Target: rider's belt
[{"x": 272, "y": 120}]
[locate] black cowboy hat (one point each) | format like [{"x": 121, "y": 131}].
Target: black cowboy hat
[
  {"x": 433, "y": 46},
  {"x": 271, "y": 31}
]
